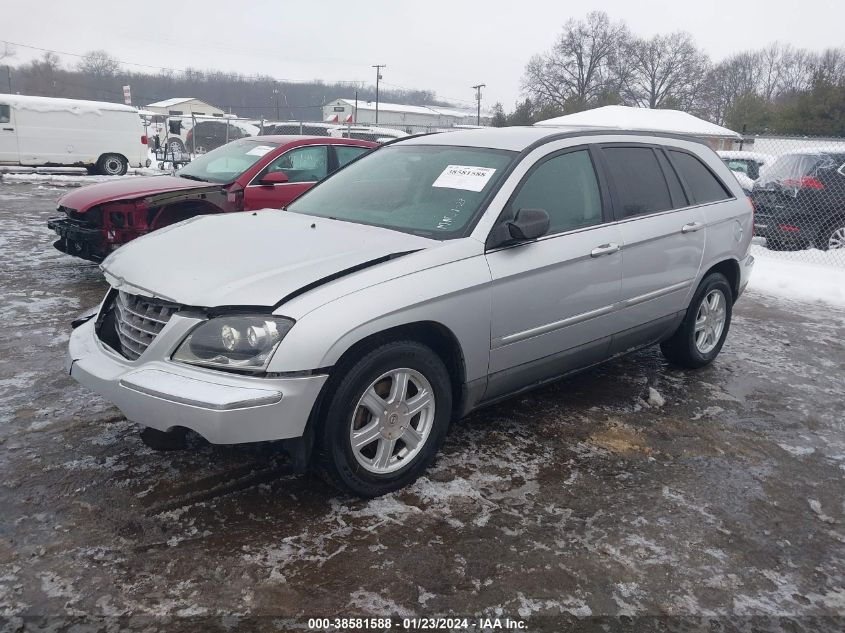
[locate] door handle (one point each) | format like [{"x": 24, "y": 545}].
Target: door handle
[
  {"x": 692, "y": 227},
  {"x": 604, "y": 249},
  {"x": 8, "y": 129}
]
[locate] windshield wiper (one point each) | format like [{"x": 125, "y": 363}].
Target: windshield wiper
[{"x": 192, "y": 177}]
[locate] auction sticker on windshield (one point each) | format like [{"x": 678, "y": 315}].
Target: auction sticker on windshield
[
  {"x": 464, "y": 177},
  {"x": 259, "y": 150}
]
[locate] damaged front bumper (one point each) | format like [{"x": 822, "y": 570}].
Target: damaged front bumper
[
  {"x": 156, "y": 392},
  {"x": 78, "y": 240}
]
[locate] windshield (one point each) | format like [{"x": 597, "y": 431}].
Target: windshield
[
  {"x": 427, "y": 190},
  {"x": 227, "y": 162}
]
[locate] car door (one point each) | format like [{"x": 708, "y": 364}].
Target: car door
[
  {"x": 553, "y": 298},
  {"x": 662, "y": 241},
  {"x": 304, "y": 166},
  {"x": 8, "y": 136}
]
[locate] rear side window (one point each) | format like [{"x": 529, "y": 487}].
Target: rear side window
[
  {"x": 565, "y": 187},
  {"x": 5, "y": 114},
  {"x": 640, "y": 185},
  {"x": 702, "y": 184},
  {"x": 348, "y": 153}
]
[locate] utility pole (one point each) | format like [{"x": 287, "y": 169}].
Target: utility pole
[
  {"x": 9, "y": 77},
  {"x": 378, "y": 68},
  {"x": 478, "y": 99},
  {"x": 276, "y": 98}
]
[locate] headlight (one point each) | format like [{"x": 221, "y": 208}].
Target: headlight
[{"x": 237, "y": 342}]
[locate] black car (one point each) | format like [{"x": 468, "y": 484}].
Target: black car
[
  {"x": 800, "y": 201},
  {"x": 208, "y": 135}
]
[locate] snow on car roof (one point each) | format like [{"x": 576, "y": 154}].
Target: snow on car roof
[
  {"x": 628, "y": 118},
  {"x": 515, "y": 138},
  {"x": 53, "y": 104}
]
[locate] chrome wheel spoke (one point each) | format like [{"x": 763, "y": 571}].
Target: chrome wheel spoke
[
  {"x": 367, "y": 435},
  {"x": 374, "y": 403},
  {"x": 418, "y": 403},
  {"x": 399, "y": 387},
  {"x": 411, "y": 438},
  {"x": 383, "y": 453}
]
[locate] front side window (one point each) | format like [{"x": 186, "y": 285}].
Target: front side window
[
  {"x": 430, "y": 190},
  {"x": 303, "y": 164},
  {"x": 5, "y": 113},
  {"x": 640, "y": 185},
  {"x": 227, "y": 162},
  {"x": 703, "y": 186},
  {"x": 565, "y": 186}
]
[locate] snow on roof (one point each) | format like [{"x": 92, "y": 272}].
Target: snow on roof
[
  {"x": 170, "y": 102},
  {"x": 411, "y": 109},
  {"x": 742, "y": 155},
  {"x": 628, "y": 118},
  {"x": 53, "y": 104}
]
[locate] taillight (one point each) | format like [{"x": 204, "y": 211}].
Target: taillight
[
  {"x": 753, "y": 211},
  {"x": 143, "y": 139},
  {"x": 789, "y": 228},
  {"x": 805, "y": 182}
]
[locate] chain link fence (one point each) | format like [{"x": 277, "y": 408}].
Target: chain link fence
[{"x": 797, "y": 185}]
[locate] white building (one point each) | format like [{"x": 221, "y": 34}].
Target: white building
[
  {"x": 407, "y": 117},
  {"x": 186, "y": 107}
]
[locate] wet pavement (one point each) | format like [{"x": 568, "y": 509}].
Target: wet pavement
[{"x": 580, "y": 499}]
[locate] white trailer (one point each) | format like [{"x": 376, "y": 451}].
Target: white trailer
[{"x": 106, "y": 138}]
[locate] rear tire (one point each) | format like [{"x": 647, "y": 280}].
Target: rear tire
[
  {"x": 112, "y": 165},
  {"x": 702, "y": 333},
  {"x": 375, "y": 399}
]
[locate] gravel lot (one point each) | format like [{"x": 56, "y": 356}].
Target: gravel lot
[{"x": 580, "y": 499}]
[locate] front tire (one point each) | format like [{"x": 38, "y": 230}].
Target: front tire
[
  {"x": 112, "y": 165},
  {"x": 385, "y": 418},
  {"x": 702, "y": 333}
]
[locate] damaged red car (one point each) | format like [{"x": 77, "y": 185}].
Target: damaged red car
[{"x": 258, "y": 172}]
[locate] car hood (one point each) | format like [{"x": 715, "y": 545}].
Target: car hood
[
  {"x": 249, "y": 259},
  {"x": 82, "y": 199}
]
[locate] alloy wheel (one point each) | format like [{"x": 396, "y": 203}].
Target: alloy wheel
[
  {"x": 392, "y": 420},
  {"x": 837, "y": 239},
  {"x": 710, "y": 321}
]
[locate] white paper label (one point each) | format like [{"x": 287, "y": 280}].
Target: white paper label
[
  {"x": 464, "y": 177},
  {"x": 259, "y": 150}
]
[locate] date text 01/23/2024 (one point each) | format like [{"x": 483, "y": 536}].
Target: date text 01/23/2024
[{"x": 416, "y": 624}]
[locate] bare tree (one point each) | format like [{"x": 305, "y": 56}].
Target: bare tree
[
  {"x": 99, "y": 64},
  {"x": 576, "y": 72},
  {"x": 831, "y": 66},
  {"x": 664, "y": 71}
]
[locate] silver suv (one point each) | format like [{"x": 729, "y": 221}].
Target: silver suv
[{"x": 435, "y": 275}]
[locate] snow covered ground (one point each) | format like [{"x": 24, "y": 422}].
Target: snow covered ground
[{"x": 786, "y": 275}]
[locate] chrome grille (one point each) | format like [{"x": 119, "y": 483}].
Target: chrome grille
[{"x": 138, "y": 320}]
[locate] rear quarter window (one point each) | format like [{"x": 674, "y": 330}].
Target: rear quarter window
[
  {"x": 701, "y": 183},
  {"x": 5, "y": 114}
]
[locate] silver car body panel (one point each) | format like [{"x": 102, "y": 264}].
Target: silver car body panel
[{"x": 520, "y": 315}]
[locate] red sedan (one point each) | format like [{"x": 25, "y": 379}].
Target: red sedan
[{"x": 258, "y": 172}]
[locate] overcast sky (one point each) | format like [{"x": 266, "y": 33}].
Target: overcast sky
[{"x": 445, "y": 46}]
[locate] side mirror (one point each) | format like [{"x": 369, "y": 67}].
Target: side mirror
[
  {"x": 274, "y": 178},
  {"x": 528, "y": 224}
]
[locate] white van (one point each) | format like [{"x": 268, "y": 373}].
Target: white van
[{"x": 106, "y": 138}]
